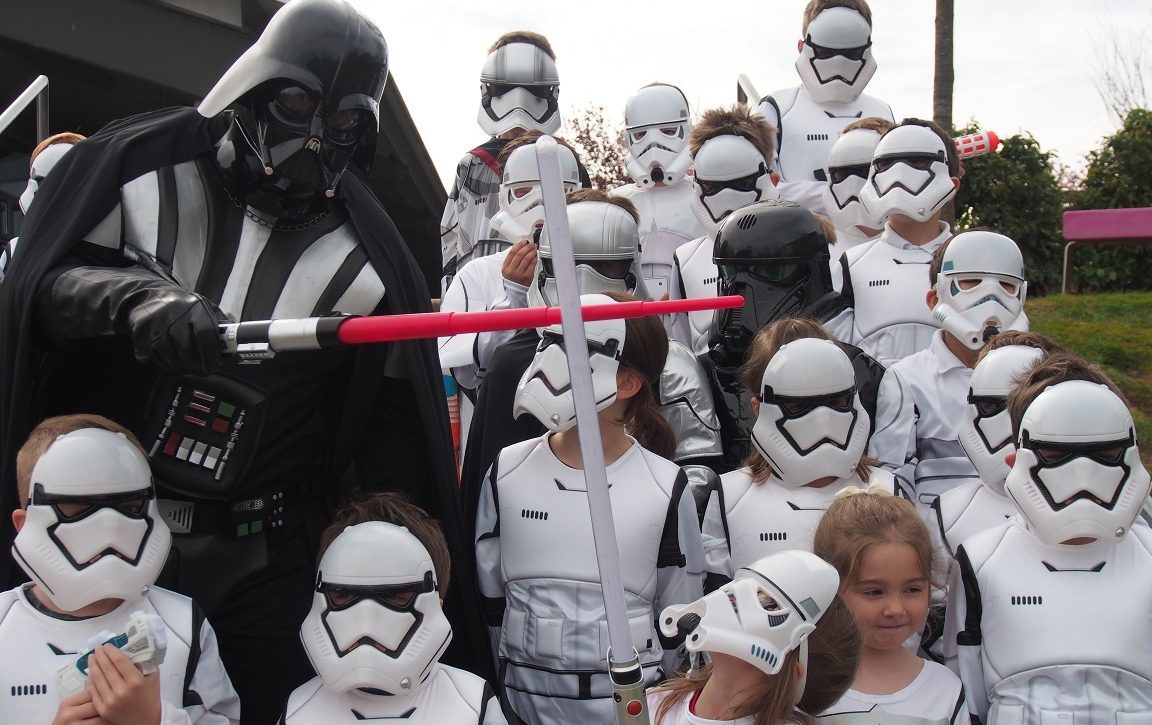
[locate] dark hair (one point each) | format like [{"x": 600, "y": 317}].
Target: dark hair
[
  {"x": 645, "y": 352},
  {"x": 1053, "y": 370},
  {"x": 878, "y": 124},
  {"x": 738, "y": 120},
  {"x": 524, "y": 36},
  {"x": 1023, "y": 338},
  {"x": 527, "y": 138},
  {"x": 955, "y": 168},
  {"x": 573, "y": 197},
  {"x": 393, "y": 508},
  {"x": 833, "y": 656}
]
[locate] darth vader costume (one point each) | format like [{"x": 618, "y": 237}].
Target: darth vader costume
[{"x": 253, "y": 206}]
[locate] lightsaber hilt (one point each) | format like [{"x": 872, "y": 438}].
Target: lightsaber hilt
[
  {"x": 628, "y": 690},
  {"x": 260, "y": 340}
]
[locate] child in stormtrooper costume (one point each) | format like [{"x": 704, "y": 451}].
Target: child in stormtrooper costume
[
  {"x": 986, "y": 437},
  {"x": 375, "y": 635},
  {"x": 656, "y": 129},
  {"x": 848, "y": 164},
  {"x": 1052, "y": 608},
  {"x": 756, "y": 631},
  {"x": 605, "y": 248},
  {"x": 92, "y": 540},
  {"x": 835, "y": 65},
  {"x": 810, "y": 435},
  {"x": 44, "y": 157},
  {"x": 732, "y": 149},
  {"x": 519, "y": 88},
  {"x": 914, "y": 173},
  {"x": 979, "y": 291},
  {"x": 481, "y": 285},
  {"x": 535, "y": 549}
]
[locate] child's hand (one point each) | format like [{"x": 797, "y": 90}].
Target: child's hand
[
  {"x": 121, "y": 693},
  {"x": 78, "y": 708},
  {"x": 520, "y": 264}
]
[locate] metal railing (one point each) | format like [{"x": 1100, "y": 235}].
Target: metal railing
[
  {"x": 745, "y": 91},
  {"x": 38, "y": 92}
]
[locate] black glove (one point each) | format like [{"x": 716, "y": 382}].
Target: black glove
[
  {"x": 177, "y": 330},
  {"x": 169, "y": 326}
]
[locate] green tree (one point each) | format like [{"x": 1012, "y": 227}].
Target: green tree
[
  {"x": 1117, "y": 177},
  {"x": 1017, "y": 192}
]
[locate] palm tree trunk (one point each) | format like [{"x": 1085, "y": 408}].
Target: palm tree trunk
[{"x": 944, "y": 77}]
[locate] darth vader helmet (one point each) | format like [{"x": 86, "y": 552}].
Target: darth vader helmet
[{"x": 306, "y": 103}]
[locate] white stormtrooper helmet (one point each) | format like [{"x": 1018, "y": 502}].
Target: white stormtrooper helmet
[
  {"x": 519, "y": 86},
  {"x": 41, "y": 165},
  {"x": 848, "y": 165},
  {"x": 1078, "y": 471},
  {"x": 986, "y": 433},
  {"x": 836, "y": 62},
  {"x": 545, "y": 389},
  {"x": 521, "y": 203},
  {"x": 980, "y": 288},
  {"x": 606, "y": 248},
  {"x": 93, "y": 530},
  {"x": 909, "y": 175},
  {"x": 765, "y": 612},
  {"x": 376, "y": 621},
  {"x": 656, "y": 127},
  {"x": 811, "y": 422},
  {"x": 730, "y": 175}
]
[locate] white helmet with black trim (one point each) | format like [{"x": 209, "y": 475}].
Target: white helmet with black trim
[
  {"x": 980, "y": 288},
  {"x": 986, "y": 433},
  {"x": 545, "y": 389},
  {"x": 909, "y": 175},
  {"x": 1078, "y": 472},
  {"x": 730, "y": 174},
  {"x": 766, "y": 611},
  {"x": 811, "y": 422},
  {"x": 376, "y": 622},
  {"x": 521, "y": 203},
  {"x": 606, "y": 248},
  {"x": 92, "y": 529},
  {"x": 519, "y": 88},
  {"x": 656, "y": 128},
  {"x": 835, "y": 62},
  {"x": 848, "y": 164}
]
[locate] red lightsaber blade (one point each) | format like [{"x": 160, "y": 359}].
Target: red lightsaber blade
[{"x": 258, "y": 340}]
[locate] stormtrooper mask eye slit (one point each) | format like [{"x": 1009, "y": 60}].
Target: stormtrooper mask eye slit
[{"x": 822, "y": 53}]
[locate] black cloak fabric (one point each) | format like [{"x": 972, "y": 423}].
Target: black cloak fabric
[{"x": 85, "y": 186}]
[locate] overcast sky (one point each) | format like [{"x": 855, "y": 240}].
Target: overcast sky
[{"x": 1021, "y": 65}]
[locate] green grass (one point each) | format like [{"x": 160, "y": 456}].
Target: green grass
[{"x": 1112, "y": 330}]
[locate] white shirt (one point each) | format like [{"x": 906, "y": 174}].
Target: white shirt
[
  {"x": 933, "y": 696},
  {"x": 478, "y": 286},
  {"x": 681, "y": 713},
  {"x": 921, "y": 405},
  {"x": 886, "y": 283},
  {"x": 37, "y": 644}
]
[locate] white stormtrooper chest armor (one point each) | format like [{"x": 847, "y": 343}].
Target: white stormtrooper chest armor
[
  {"x": 768, "y": 518},
  {"x": 39, "y": 645},
  {"x": 554, "y": 604},
  {"x": 450, "y": 696},
  {"x": 808, "y": 129},
  {"x": 1065, "y": 628},
  {"x": 889, "y": 285},
  {"x": 666, "y": 223},
  {"x": 700, "y": 278},
  {"x": 967, "y": 510},
  {"x": 544, "y": 515}
]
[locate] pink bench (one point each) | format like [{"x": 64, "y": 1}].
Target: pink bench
[{"x": 1104, "y": 226}]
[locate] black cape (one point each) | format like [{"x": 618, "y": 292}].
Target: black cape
[{"x": 84, "y": 188}]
